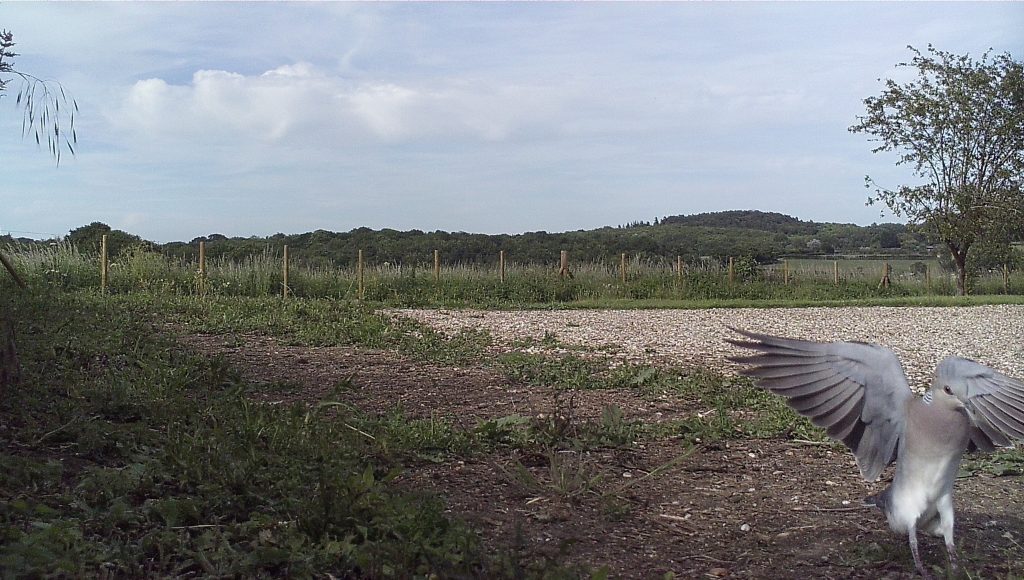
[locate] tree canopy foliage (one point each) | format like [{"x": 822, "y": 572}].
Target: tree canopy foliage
[
  {"x": 764, "y": 237},
  {"x": 88, "y": 239},
  {"x": 747, "y": 219},
  {"x": 960, "y": 125}
]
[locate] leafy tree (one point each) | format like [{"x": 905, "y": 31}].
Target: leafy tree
[
  {"x": 687, "y": 236},
  {"x": 960, "y": 125},
  {"x": 888, "y": 237},
  {"x": 89, "y": 238},
  {"x": 46, "y": 105},
  {"x": 993, "y": 254}
]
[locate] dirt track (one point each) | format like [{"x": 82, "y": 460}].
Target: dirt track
[{"x": 745, "y": 509}]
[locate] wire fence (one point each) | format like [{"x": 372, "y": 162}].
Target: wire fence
[{"x": 504, "y": 282}]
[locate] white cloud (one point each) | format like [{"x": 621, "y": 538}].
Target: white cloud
[
  {"x": 454, "y": 109},
  {"x": 295, "y": 98},
  {"x": 384, "y": 108},
  {"x": 222, "y": 105}
]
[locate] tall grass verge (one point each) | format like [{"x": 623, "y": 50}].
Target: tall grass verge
[{"x": 525, "y": 285}]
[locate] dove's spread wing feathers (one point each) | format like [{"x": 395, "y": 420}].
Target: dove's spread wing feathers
[
  {"x": 857, "y": 392},
  {"x": 994, "y": 401}
]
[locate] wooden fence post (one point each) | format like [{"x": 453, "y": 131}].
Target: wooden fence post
[
  {"x": 732, "y": 271},
  {"x": 437, "y": 265},
  {"x": 679, "y": 267},
  {"x": 622, "y": 267},
  {"x": 202, "y": 268},
  {"x": 284, "y": 274},
  {"x": 835, "y": 272},
  {"x": 884, "y": 283},
  {"x": 104, "y": 264},
  {"x": 928, "y": 279},
  {"x": 10, "y": 270},
  {"x": 1006, "y": 278},
  {"x": 359, "y": 275},
  {"x": 563, "y": 269},
  {"x": 501, "y": 265},
  {"x": 785, "y": 272}
]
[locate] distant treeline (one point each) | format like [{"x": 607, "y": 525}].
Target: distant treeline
[{"x": 763, "y": 236}]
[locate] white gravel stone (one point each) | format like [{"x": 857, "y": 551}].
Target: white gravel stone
[{"x": 921, "y": 336}]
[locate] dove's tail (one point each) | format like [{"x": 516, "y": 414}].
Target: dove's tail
[{"x": 879, "y": 500}]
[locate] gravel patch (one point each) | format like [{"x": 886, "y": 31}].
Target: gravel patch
[{"x": 921, "y": 336}]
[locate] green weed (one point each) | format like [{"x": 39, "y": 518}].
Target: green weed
[
  {"x": 567, "y": 475},
  {"x": 127, "y": 456},
  {"x": 563, "y": 372},
  {"x": 1002, "y": 462}
]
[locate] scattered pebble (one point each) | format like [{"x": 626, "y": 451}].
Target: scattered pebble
[{"x": 921, "y": 336}]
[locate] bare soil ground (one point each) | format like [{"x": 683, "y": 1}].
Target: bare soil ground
[{"x": 746, "y": 508}]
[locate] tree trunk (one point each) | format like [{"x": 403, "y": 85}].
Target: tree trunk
[{"x": 960, "y": 260}]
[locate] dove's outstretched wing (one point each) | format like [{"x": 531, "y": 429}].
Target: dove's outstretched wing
[
  {"x": 994, "y": 401},
  {"x": 856, "y": 391}
]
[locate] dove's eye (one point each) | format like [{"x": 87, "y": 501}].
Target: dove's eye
[{"x": 946, "y": 389}]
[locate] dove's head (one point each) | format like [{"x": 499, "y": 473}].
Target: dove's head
[{"x": 950, "y": 387}]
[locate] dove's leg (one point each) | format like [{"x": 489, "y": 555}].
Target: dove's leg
[
  {"x": 944, "y": 506},
  {"x": 912, "y": 538}
]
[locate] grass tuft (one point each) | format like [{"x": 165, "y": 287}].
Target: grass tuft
[{"x": 125, "y": 455}]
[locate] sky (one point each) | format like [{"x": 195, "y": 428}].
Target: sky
[{"x": 250, "y": 119}]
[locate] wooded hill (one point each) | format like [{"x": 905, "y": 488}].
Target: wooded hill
[{"x": 763, "y": 236}]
